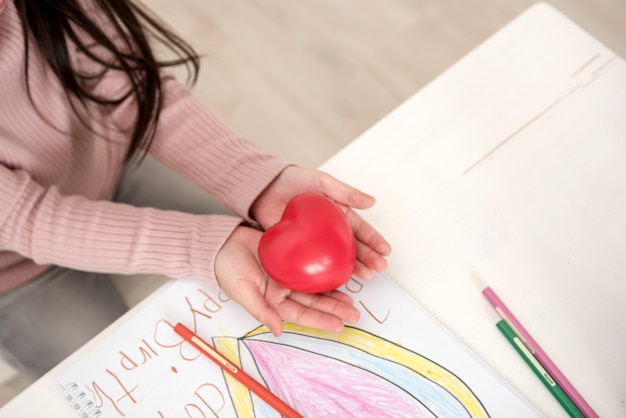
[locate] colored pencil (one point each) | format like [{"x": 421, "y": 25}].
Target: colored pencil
[
  {"x": 236, "y": 372},
  {"x": 539, "y": 354},
  {"x": 541, "y": 373}
]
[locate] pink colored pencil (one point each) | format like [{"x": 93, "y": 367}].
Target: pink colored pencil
[{"x": 539, "y": 354}]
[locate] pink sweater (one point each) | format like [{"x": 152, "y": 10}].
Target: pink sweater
[{"x": 57, "y": 177}]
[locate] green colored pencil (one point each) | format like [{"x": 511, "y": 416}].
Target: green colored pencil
[{"x": 541, "y": 373}]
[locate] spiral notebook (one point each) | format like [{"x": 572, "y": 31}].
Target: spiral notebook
[{"x": 397, "y": 361}]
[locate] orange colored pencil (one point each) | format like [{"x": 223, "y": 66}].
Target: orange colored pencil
[{"x": 245, "y": 379}]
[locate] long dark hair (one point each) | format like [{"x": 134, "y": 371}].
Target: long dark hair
[{"x": 53, "y": 24}]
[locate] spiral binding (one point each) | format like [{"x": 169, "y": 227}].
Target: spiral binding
[{"x": 79, "y": 401}]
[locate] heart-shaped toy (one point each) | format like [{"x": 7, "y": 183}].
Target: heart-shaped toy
[{"x": 312, "y": 248}]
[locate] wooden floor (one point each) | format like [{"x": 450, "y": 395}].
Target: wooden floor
[{"x": 305, "y": 77}]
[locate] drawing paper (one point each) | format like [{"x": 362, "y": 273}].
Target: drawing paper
[{"x": 397, "y": 361}]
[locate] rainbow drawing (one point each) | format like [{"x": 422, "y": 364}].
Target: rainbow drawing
[{"x": 354, "y": 373}]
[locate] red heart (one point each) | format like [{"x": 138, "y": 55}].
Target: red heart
[{"x": 311, "y": 249}]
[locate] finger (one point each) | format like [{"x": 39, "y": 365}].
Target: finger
[
  {"x": 298, "y": 314},
  {"x": 367, "y": 234},
  {"x": 294, "y": 312},
  {"x": 345, "y": 194},
  {"x": 340, "y": 296},
  {"x": 315, "y": 304},
  {"x": 369, "y": 258},
  {"x": 310, "y": 299},
  {"x": 250, "y": 297},
  {"x": 362, "y": 271}
]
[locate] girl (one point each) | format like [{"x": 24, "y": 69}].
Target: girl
[{"x": 82, "y": 96}]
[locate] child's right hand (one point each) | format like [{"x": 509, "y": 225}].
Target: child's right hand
[{"x": 241, "y": 277}]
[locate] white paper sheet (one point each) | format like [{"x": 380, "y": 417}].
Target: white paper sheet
[{"x": 396, "y": 361}]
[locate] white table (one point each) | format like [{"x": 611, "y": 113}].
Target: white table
[{"x": 509, "y": 171}]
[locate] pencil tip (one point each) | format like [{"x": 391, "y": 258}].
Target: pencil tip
[{"x": 478, "y": 280}]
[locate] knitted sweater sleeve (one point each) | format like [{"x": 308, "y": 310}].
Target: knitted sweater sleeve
[
  {"x": 41, "y": 224},
  {"x": 192, "y": 141}
]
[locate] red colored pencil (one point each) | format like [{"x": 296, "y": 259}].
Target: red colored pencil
[{"x": 236, "y": 372}]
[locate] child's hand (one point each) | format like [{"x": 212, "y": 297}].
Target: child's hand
[
  {"x": 240, "y": 275},
  {"x": 371, "y": 246}
]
